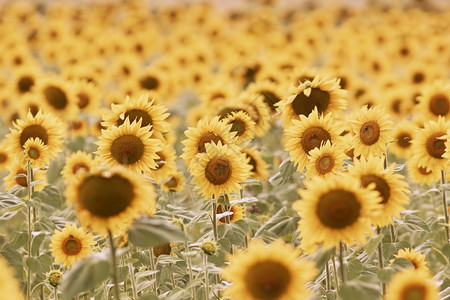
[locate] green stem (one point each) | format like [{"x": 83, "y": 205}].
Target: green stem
[
  {"x": 153, "y": 267},
  {"x": 341, "y": 261},
  {"x": 191, "y": 276},
  {"x": 105, "y": 291},
  {"x": 392, "y": 232},
  {"x": 172, "y": 278},
  {"x": 214, "y": 219},
  {"x": 205, "y": 262},
  {"x": 445, "y": 208},
  {"x": 328, "y": 278},
  {"x": 30, "y": 225},
  {"x": 336, "y": 281},
  {"x": 381, "y": 261},
  {"x": 132, "y": 279},
  {"x": 55, "y": 292},
  {"x": 114, "y": 265}
]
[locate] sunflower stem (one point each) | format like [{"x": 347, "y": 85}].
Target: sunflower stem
[
  {"x": 392, "y": 232},
  {"x": 105, "y": 291},
  {"x": 328, "y": 278},
  {"x": 172, "y": 278},
  {"x": 336, "y": 281},
  {"x": 55, "y": 292},
  {"x": 30, "y": 225},
  {"x": 153, "y": 267},
  {"x": 188, "y": 261},
  {"x": 214, "y": 219},
  {"x": 114, "y": 265},
  {"x": 445, "y": 208},
  {"x": 132, "y": 279},
  {"x": 380, "y": 261},
  {"x": 205, "y": 262},
  {"x": 341, "y": 261}
]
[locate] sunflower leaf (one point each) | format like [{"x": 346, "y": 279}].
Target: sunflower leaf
[
  {"x": 280, "y": 224},
  {"x": 359, "y": 290},
  {"x": 149, "y": 232},
  {"x": 234, "y": 232},
  {"x": 50, "y": 195},
  {"x": 415, "y": 223},
  {"x": 372, "y": 244}
]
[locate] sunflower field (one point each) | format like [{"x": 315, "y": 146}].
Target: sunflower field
[{"x": 235, "y": 150}]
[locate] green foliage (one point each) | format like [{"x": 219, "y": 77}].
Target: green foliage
[{"x": 149, "y": 232}]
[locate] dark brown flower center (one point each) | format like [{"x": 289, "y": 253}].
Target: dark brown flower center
[
  {"x": 270, "y": 99},
  {"x": 127, "y": 149},
  {"x": 75, "y": 125},
  {"x": 208, "y": 137},
  {"x": 22, "y": 180},
  {"x": 303, "y": 105},
  {"x": 172, "y": 182},
  {"x": 33, "y": 131},
  {"x": 136, "y": 115},
  {"x": 414, "y": 292},
  {"x": 25, "y": 84},
  {"x": 105, "y": 197},
  {"x": 396, "y": 105},
  {"x": 56, "y": 97},
  {"x": 418, "y": 77},
  {"x": 3, "y": 157},
  {"x": 238, "y": 126},
  {"x": 439, "y": 105},
  {"x": 267, "y": 279},
  {"x": 162, "y": 249},
  {"x": 435, "y": 147},
  {"x": 338, "y": 209},
  {"x": 83, "y": 100},
  {"x": 324, "y": 164},
  {"x": 34, "y": 153},
  {"x": 369, "y": 132},
  {"x": 71, "y": 245},
  {"x": 161, "y": 161},
  {"x": 149, "y": 83},
  {"x": 252, "y": 163},
  {"x": 218, "y": 171},
  {"x": 404, "y": 140},
  {"x": 381, "y": 186},
  {"x": 424, "y": 171},
  {"x": 313, "y": 137},
  {"x": 79, "y": 167}
]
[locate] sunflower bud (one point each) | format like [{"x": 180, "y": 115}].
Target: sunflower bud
[
  {"x": 54, "y": 277},
  {"x": 209, "y": 247}
]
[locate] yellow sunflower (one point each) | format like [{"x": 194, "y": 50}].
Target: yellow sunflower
[
  {"x": 24, "y": 79},
  {"x": 9, "y": 285},
  {"x": 165, "y": 164},
  {"x": 416, "y": 258},
  {"x": 237, "y": 210},
  {"x": 77, "y": 162},
  {"x": 308, "y": 133},
  {"x": 242, "y": 124},
  {"x": 19, "y": 167},
  {"x": 269, "y": 90},
  {"x": 334, "y": 210},
  {"x": 29, "y": 103},
  {"x": 392, "y": 189},
  {"x": 207, "y": 131},
  {"x": 412, "y": 284},
  {"x": 325, "y": 161},
  {"x": 88, "y": 95},
  {"x": 129, "y": 145},
  {"x": 219, "y": 170},
  {"x": 258, "y": 165},
  {"x": 257, "y": 109},
  {"x": 5, "y": 155},
  {"x": 109, "y": 199},
  {"x": 321, "y": 93},
  {"x": 142, "y": 108},
  {"x": 78, "y": 128},
  {"x": 273, "y": 271},
  {"x": 434, "y": 100},
  {"x": 403, "y": 134},
  {"x": 45, "y": 126},
  {"x": 422, "y": 175},
  {"x": 174, "y": 182},
  {"x": 372, "y": 131},
  {"x": 36, "y": 152},
  {"x": 428, "y": 147},
  {"x": 71, "y": 244}
]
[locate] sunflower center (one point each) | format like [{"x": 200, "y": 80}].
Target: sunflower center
[
  {"x": 33, "y": 131},
  {"x": 396, "y": 104},
  {"x": 313, "y": 137},
  {"x": 238, "y": 126},
  {"x": 79, "y": 167},
  {"x": 270, "y": 99},
  {"x": 127, "y": 149},
  {"x": 207, "y": 138},
  {"x": 218, "y": 170},
  {"x": 33, "y": 109},
  {"x": 404, "y": 140},
  {"x": 268, "y": 280},
  {"x": 56, "y": 97},
  {"x": 439, "y": 105},
  {"x": 369, "y": 132},
  {"x": 324, "y": 164},
  {"x": 423, "y": 171},
  {"x": 71, "y": 245},
  {"x": 414, "y": 293},
  {"x": 75, "y": 125},
  {"x": 161, "y": 161},
  {"x": 149, "y": 83},
  {"x": 25, "y": 84},
  {"x": 22, "y": 180},
  {"x": 338, "y": 209},
  {"x": 136, "y": 115},
  {"x": 381, "y": 186},
  {"x": 172, "y": 182},
  {"x": 34, "y": 153},
  {"x": 252, "y": 163},
  {"x": 418, "y": 77},
  {"x": 162, "y": 249},
  {"x": 106, "y": 196},
  {"x": 3, "y": 158},
  {"x": 304, "y": 105},
  {"x": 435, "y": 147},
  {"x": 83, "y": 100}
]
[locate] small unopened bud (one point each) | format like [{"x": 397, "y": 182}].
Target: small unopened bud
[
  {"x": 178, "y": 222},
  {"x": 209, "y": 247},
  {"x": 54, "y": 277}
]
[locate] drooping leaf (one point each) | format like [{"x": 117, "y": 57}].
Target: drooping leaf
[
  {"x": 280, "y": 224},
  {"x": 234, "y": 232},
  {"x": 149, "y": 232},
  {"x": 50, "y": 195},
  {"x": 372, "y": 244},
  {"x": 359, "y": 290}
]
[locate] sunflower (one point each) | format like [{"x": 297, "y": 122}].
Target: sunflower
[
  {"x": 428, "y": 147},
  {"x": 269, "y": 272},
  {"x": 71, "y": 244},
  {"x": 142, "y": 108},
  {"x": 219, "y": 170},
  {"x": 237, "y": 210},
  {"x": 174, "y": 182},
  {"x": 19, "y": 167},
  {"x": 333, "y": 210},
  {"x": 129, "y": 145},
  {"x": 45, "y": 126},
  {"x": 242, "y": 125},
  {"x": 36, "y": 152},
  {"x": 434, "y": 100},
  {"x": 29, "y": 103},
  {"x": 24, "y": 79},
  {"x": 5, "y": 155},
  {"x": 269, "y": 90},
  {"x": 416, "y": 258},
  {"x": 404, "y": 133},
  {"x": 78, "y": 128},
  {"x": 257, "y": 109},
  {"x": 77, "y": 162},
  {"x": 9, "y": 285},
  {"x": 88, "y": 95},
  {"x": 207, "y": 131},
  {"x": 110, "y": 199},
  {"x": 422, "y": 175},
  {"x": 371, "y": 129},
  {"x": 165, "y": 164},
  {"x": 308, "y": 133},
  {"x": 392, "y": 189},
  {"x": 412, "y": 284},
  {"x": 321, "y": 93},
  {"x": 258, "y": 165},
  {"x": 325, "y": 161}
]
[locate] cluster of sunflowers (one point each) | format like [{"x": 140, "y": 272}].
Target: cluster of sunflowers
[{"x": 316, "y": 137}]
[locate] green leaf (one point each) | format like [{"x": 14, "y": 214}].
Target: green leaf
[
  {"x": 385, "y": 274},
  {"x": 18, "y": 239},
  {"x": 50, "y": 195},
  {"x": 372, "y": 244},
  {"x": 414, "y": 223},
  {"x": 40, "y": 264},
  {"x": 355, "y": 268},
  {"x": 149, "y": 232},
  {"x": 322, "y": 257},
  {"x": 234, "y": 232},
  {"x": 359, "y": 290},
  {"x": 38, "y": 238},
  {"x": 224, "y": 249},
  {"x": 287, "y": 168},
  {"x": 86, "y": 274},
  {"x": 280, "y": 224}
]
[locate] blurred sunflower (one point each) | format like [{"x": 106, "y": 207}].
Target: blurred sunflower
[
  {"x": 78, "y": 128},
  {"x": 392, "y": 189},
  {"x": 272, "y": 271},
  {"x": 24, "y": 79},
  {"x": 219, "y": 170},
  {"x": 371, "y": 130},
  {"x": 334, "y": 210},
  {"x": 88, "y": 95},
  {"x": 165, "y": 164},
  {"x": 237, "y": 210},
  {"x": 422, "y": 175},
  {"x": 308, "y": 133},
  {"x": 412, "y": 284},
  {"x": 129, "y": 145},
  {"x": 434, "y": 100},
  {"x": 258, "y": 165},
  {"x": 77, "y": 162},
  {"x": 174, "y": 182},
  {"x": 403, "y": 134},
  {"x": 36, "y": 152},
  {"x": 416, "y": 258},
  {"x": 257, "y": 109},
  {"x": 29, "y": 103},
  {"x": 5, "y": 155},
  {"x": 242, "y": 124},
  {"x": 269, "y": 90},
  {"x": 109, "y": 199},
  {"x": 9, "y": 285},
  {"x": 71, "y": 244},
  {"x": 325, "y": 160},
  {"x": 17, "y": 175}
]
